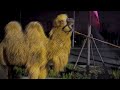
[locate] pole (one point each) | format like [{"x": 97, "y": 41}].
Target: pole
[
  {"x": 89, "y": 42},
  {"x": 73, "y": 39},
  {"x": 20, "y": 15},
  {"x": 80, "y": 52}
]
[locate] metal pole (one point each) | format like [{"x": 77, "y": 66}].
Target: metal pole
[
  {"x": 92, "y": 54},
  {"x": 80, "y": 52},
  {"x": 89, "y": 41},
  {"x": 73, "y": 41},
  {"x": 105, "y": 68},
  {"x": 20, "y": 15}
]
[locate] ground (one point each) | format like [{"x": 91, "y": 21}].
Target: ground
[{"x": 79, "y": 72}]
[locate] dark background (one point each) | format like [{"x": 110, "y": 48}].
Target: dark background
[
  {"x": 111, "y": 19},
  {"x": 109, "y": 29}
]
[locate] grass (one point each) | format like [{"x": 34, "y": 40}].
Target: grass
[
  {"x": 116, "y": 74},
  {"x": 70, "y": 74},
  {"x": 78, "y": 73},
  {"x": 18, "y": 71},
  {"x": 52, "y": 74},
  {"x": 66, "y": 76}
]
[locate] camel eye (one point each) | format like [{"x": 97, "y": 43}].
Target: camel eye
[{"x": 62, "y": 21}]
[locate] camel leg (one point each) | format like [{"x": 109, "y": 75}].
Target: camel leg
[{"x": 10, "y": 72}]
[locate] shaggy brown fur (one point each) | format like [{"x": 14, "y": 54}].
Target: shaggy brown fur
[
  {"x": 60, "y": 43},
  {"x": 36, "y": 41},
  {"x": 13, "y": 50},
  {"x": 25, "y": 50},
  {"x": 13, "y": 47}
]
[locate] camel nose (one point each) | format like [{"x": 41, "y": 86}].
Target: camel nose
[{"x": 70, "y": 21}]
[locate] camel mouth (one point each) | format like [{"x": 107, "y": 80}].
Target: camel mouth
[{"x": 70, "y": 23}]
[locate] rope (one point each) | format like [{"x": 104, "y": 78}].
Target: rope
[
  {"x": 98, "y": 51},
  {"x": 113, "y": 45},
  {"x": 105, "y": 68}
]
